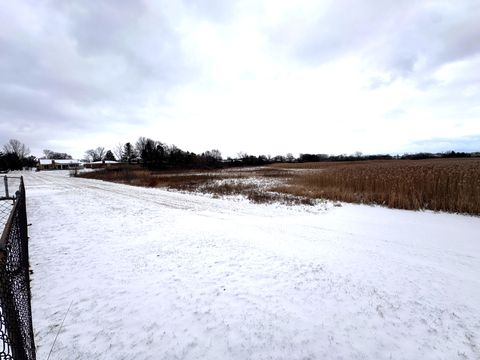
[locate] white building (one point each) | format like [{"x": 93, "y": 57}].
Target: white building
[{"x": 58, "y": 164}]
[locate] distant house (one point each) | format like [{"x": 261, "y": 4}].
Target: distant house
[
  {"x": 45, "y": 164},
  {"x": 58, "y": 164},
  {"x": 100, "y": 164}
]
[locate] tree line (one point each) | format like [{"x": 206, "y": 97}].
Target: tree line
[
  {"x": 15, "y": 156},
  {"x": 156, "y": 155}
]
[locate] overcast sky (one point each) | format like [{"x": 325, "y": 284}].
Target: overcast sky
[{"x": 259, "y": 76}]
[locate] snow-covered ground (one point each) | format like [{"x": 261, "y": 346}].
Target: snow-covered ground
[{"x": 153, "y": 274}]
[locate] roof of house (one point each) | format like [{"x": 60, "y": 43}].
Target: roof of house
[
  {"x": 66, "y": 161},
  {"x": 59, "y": 161},
  {"x": 104, "y": 162}
]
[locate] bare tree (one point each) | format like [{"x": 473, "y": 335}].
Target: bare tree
[
  {"x": 118, "y": 151},
  {"x": 141, "y": 144},
  {"x": 49, "y": 154},
  {"x": 15, "y": 146},
  {"x": 100, "y": 153},
  {"x": 213, "y": 154},
  {"x": 97, "y": 154},
  {"x": 89, "y": 155},
  {"x": 242, "y": 155}
]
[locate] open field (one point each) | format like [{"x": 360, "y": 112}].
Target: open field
[
  {"x": 451, "y": 185},
  {"x": 155, "y": 274}
]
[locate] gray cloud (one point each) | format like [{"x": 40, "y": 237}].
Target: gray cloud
[
  {"x": 404, "y": 38},
  {"x": 213, "y": 10},
  {"x": 142, "y": 39},
  {"x": 343, "y": 27},
  {"x": 66, "y": 61},
  {"x": 20, "y": 104},
  {"x": 432, "y": 37}
]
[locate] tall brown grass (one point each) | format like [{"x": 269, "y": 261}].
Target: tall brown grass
[{"x": 451, "y": 185}]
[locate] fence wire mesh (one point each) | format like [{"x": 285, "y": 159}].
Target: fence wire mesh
[
  {"x": 6, "y": 206},
  {"x": 16, "y": 331},
  {"x": 9, "y": 185}
]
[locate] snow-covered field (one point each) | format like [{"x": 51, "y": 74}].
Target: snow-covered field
[{"x": 152, "y": 274}]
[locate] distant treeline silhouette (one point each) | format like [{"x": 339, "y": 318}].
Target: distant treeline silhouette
[
  {"x": 361, "y": 157},
  {"x": 156, "y": 155}
]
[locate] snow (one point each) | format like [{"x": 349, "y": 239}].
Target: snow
[
  {"x": 58, "y": 161},
  {"x": 67, "y": 161},
  {"x": 154, "y": 274},
  {"x": 104, "y": 162}
]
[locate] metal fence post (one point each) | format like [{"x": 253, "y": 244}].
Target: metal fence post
[{"x": 5, "y": 180}]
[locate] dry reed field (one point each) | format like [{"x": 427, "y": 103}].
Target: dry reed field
[{"x": 451, "y": 185}]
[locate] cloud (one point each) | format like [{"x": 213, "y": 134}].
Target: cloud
[
  {"x": 66, "y": 66},
  {"x": 403, "y": 38},
  {"x": 212, "y": 10}
]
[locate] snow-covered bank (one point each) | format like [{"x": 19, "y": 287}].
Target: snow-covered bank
[{"x": 152, "y": 274}]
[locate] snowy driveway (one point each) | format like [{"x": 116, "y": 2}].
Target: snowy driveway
[{"x": 152, "y": 274}]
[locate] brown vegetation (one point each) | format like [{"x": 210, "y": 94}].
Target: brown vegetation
[
  {"x": 451, "y": 185},
  {"x": 251, "y": 183}
]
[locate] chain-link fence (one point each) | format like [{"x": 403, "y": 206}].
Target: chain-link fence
[
  {"x": 16, "y": 332},
  {"x": 6, "y": 199}
]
